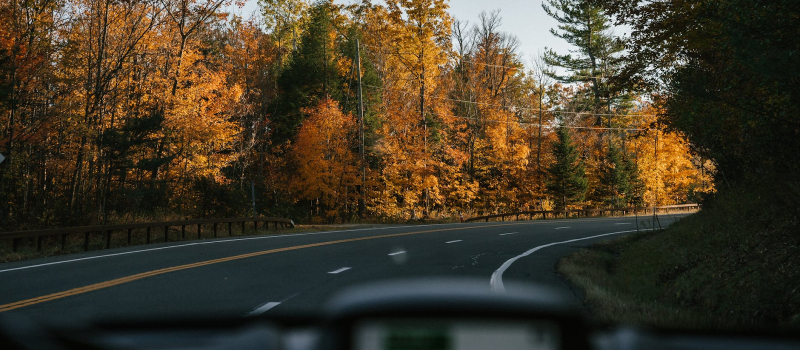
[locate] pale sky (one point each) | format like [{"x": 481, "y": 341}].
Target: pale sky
[{"x": 524, "y": 18}]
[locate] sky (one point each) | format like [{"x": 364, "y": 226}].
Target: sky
[{"x": 523, "y": 18}]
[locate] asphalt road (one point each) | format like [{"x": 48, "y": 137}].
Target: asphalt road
[{"x": 284, "y": 273}]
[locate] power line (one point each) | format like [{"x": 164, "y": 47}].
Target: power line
[
  {"x": 513, "y": 67},
  {"x": 474, "y": 62},
  {"x": 543, "y": 125},
  {"x": 514, "y": 107},
  {"x": 530, "y": 123}
]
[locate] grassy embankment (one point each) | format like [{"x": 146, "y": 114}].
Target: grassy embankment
[{"x": 733, "y": 265}]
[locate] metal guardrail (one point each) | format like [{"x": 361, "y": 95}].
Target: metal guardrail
[
  {"x": 108, "y": 229},
  {"x": 584, "y": 212}
]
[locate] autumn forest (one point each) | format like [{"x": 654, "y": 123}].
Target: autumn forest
[{"x": 116, "y": 111}]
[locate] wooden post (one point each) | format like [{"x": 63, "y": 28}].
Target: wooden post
[
  {"x": 63, "y": 241},
  {"x": 215, "y": 230},
  {"x": 166, "y": 233},
  {"x": 183, "y": 231},
  {"x": 230, "y": 231},
  {"x": 199, "y": 231},
  {"x": 86, "y": 241},
  {"x": 108, "y": 239},
  {"x": 129, "y": 236},
  {"x": 39, "y": 244},
  {"x": 15, "y": 244},
  {"x": 242, "y": 228},
  {"x": 147, "y": 241}
]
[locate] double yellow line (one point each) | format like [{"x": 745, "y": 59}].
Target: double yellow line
[{"x": 138, "y": 276}]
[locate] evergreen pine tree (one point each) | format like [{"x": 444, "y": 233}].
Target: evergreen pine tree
[
  {"x": 567, "y": 175},
  {"x": 635, "y": 192},
  {"x": 312, "y": 74},
  {"x": 614, "y": 178},
  {"x": 597, "y": 55}
]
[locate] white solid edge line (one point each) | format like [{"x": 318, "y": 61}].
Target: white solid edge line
[
  {"x": 558, "y": 228},
  {"x": 339, "y": 270},
  {"x": 622, "y": 223},
  {"x": 456, "y": 241},
  {"x": 263, "y": 308},
  {"x": 496, "y": 282},
  {"x": 397, "y": 253},
  {"x": 508, "y": 233}
]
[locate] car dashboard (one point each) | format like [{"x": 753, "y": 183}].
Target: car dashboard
[{"x": 431, "y": 314}]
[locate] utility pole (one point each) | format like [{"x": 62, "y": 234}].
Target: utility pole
[
  {"x": 655, "y": 193},
  {"x": 362, "y": 188}
]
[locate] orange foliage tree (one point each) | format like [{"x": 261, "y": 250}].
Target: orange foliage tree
[
  {"x": 326, "y": 163},
  {"x": 672, "y": 174}
]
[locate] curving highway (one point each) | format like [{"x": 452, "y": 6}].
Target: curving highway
[{"x": 291, "y": 272}]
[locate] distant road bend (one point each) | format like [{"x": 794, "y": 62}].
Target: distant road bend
[{"x": 254, "y": 275}]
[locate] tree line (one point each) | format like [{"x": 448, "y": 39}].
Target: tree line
[{"x": 125, "y": 110}]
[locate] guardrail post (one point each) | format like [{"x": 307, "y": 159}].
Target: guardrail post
[
  {"x": 86, "y": 241},
  {"x": 15, "y": 244},
  {"x": 215, "y": 230},
  {"x": 39, "y": 244},
  {"x": 147, "y": 241},
  {"x": 199, "y": 231},
  {"x": 255, "y": 226},
  {"x": 108, "y": 239},
  {"x": 183, "y": 231},
  {"x": 166, "y": 233},
  {"x": 242, "y": 228},
  {"x": 130, "y": 230},
  {"x": 63, "y": 241},
  {"x": 230, "y": 232}
]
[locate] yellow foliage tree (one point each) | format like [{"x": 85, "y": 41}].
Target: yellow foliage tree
[
  {"x": 671, "y": 173},
  {"x": 325, "y": 160},
  {"x": 410, "y": 45}
]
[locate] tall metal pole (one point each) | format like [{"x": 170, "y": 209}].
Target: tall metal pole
[
  {"x": 655, "y": 193},
  {"x": 362, "y": 188}
]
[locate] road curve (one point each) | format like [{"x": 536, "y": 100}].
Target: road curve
[{"x": 283, "y": 273}]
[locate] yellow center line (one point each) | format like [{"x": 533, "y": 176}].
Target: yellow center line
[{"x": 138, "y": 276}]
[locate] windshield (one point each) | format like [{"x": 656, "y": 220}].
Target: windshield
[{"x": 249, "y": 158}]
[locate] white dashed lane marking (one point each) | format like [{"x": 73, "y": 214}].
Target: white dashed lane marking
[{"x": 263, "y": 308}]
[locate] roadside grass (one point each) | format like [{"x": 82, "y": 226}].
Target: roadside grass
[{"x": 734, "y": 265}]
